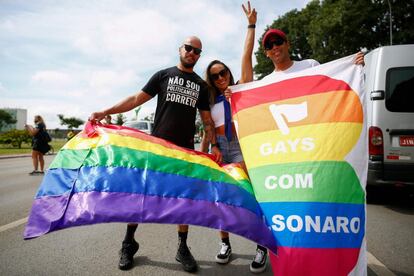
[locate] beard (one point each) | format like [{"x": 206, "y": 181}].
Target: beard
[{"x": 186, "y": 64}]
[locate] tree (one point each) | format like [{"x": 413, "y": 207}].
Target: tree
[
  {"x": 120, "y": 119},
  {"x": 330, "y": 29},
  {"x": 71, "y": 122},
  {"x": 6, "y": 118},
  {"x": 149, "y": 118},
  {"x": 15, "y": 138}
]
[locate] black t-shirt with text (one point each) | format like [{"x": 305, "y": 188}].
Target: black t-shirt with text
[{"x": 180, "y": 94}]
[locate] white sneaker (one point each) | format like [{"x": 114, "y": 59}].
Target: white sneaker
[
  {"x": 223, "y": 256},
  {"x": 258, "y": 265}
]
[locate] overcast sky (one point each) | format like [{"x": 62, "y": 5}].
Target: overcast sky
[{"x": 76, "y": 57}]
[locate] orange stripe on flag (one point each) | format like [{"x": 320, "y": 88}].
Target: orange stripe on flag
[{"x": 338, "y": 106}]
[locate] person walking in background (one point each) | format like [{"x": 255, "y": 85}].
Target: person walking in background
[
  {"x": 219, "y": 77},
  {"x": 180, "y": 93},
  {"x": 39, "y": 144}
]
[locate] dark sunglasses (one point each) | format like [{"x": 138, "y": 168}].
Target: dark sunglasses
[
  {"x": 189, "y": 48},
  {"x": 222, "y": 74},
  {"x": 272, "y": 42}
]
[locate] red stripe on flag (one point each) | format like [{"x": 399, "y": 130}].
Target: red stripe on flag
[
  {"x": 314, "y": 261},
  {"x": 286, "y": 89},
  {"x": 94, "y": 129}
]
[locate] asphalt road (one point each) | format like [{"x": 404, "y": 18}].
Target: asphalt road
[
  {"x": 390, "y": 228},
  {"x": 93, "y": 250}
]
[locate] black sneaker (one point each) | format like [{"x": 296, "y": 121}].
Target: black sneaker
[
  {"x": 223, "y": 256},
  {"x": 34, "y": 172},
  {"x": 258, "y": 265},
  {"x": 186, "y": 259},
  {"x": 126, "y": 255}
]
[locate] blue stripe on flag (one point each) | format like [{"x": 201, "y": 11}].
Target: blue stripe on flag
[
  {"x": 142, "y": 181},
  {"x": 316, "y": 225}
]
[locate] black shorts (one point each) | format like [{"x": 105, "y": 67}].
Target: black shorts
[{"x": 41, "y": 147}]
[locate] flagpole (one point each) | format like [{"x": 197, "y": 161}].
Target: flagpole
[{"x": 389, "y": 5}]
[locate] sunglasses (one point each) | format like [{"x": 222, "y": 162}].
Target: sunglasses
[
  {"x": 189, "y": 48},
  {"x": 222, "y": 74},
  {"x": 272, "y": 42}
]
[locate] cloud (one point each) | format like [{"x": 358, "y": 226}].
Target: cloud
[
  {"x": 51, "y": 78},
  {"x": 2, "y": 88},
  {"x": 106, "y": 79},
  {"x": 77, "y": 57}
]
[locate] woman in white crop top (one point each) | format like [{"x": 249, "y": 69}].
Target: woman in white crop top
[{"x": 219, "y": 78}]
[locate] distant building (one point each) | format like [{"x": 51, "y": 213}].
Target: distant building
[{"x": 20, "y": 115}]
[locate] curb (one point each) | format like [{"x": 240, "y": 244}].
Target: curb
[
  {"x": 20, "y": 155},
  {"x": 14, "y": 156}
]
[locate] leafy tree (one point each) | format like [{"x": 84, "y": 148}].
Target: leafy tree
[
  {"x": 344, "y": 27},
  {"x": 330, "y": 29},
  {"x": 6, "y": 118},
  {"x": 120, "y": 119},
  {"x": 15, "y": 138},
  {"x": 71, "y": 122}
]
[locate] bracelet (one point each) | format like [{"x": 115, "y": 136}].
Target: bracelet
[
  {"x": 252, "y": 26},
  {"x": 215, "y": 145}
]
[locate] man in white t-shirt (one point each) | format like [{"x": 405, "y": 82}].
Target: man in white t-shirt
[{"x": 277, "y": 46}]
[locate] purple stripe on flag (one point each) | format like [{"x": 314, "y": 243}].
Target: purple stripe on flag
[
  {"x": 100, "y": 207},
  {"x": 45, "y": 215}
]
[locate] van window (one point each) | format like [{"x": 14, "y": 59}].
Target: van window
[{"x": 399, "y": 89}]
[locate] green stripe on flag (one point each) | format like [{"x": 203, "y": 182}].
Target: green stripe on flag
[
  {"x": 69, "y": 159},
  {"x": 325, "y": 181},
  {"x": 113, "y": 156}
]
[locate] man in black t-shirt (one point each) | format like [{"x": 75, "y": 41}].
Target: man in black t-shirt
[{"x": 180, "y": 93}]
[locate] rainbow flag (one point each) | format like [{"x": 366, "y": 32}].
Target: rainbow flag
[
  {"x": 118, "y": 174},
  {"x": 303, "y": 137}
]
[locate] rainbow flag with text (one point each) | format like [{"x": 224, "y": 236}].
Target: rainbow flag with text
[
  {"x": 304, "y": 141},
  {"x": 109, "y": 173}
]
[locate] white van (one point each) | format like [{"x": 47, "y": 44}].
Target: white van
[
  {"x": 389, "y": 84},
  {"x": 144, "y": 126}
]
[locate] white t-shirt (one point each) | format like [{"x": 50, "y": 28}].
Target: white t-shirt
[
  {"x": 217, "y": 114},
  {"x": 296, "y": 66}
]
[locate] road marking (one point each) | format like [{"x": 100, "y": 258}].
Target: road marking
[
  {"x": 13, "y": 224},
  {"x": 373, "y": 263},
  {"x": 379, "y": 268}
]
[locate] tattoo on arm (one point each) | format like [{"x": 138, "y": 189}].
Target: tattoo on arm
[{"x": 209, "y": 131}]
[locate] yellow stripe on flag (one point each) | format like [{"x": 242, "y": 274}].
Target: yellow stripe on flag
[
  {"x": 316, "y": 142},
  {"x": 104, "y": 139}
]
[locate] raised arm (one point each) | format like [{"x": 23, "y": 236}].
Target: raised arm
[
  {"x": 123, "y": 106},
  {"x": 247, "y": 65},
  {"x": 32, "y": 131},
  {"x": 359, "y": 59}
]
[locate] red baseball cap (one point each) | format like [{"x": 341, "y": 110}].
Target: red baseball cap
[{"x": 273, "y": 32}]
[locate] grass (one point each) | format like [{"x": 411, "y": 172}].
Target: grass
[{"x": 27, "y": 149}]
